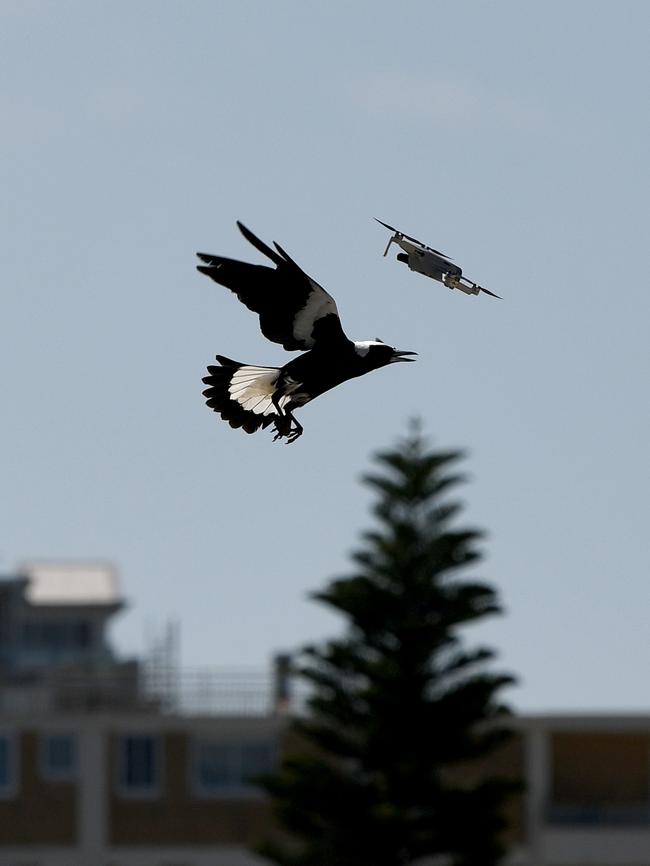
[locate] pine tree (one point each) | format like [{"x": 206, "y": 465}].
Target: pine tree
[{"x": 398, "y": 703}]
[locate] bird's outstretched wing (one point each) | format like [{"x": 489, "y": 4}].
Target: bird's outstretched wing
[{"x": 293, "y": 309}]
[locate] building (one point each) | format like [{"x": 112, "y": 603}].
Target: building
[
  {"x": 588, "y": 799},
  {"x": 124, "y": 790},
  {"x": 109, "y": 761},
  {"x": 54, "y": 649},
  {"x": 105, "y": 762}
]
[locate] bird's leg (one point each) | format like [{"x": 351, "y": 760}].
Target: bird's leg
[
  {"x": 283, "y": 427},
  {"x": 297, "y": 430},
  {"x": 282, "y": 421}
]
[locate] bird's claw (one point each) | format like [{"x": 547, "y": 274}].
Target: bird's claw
[
  {"x": 294, "y": 435},
  {"x": 284, "y": 429}
]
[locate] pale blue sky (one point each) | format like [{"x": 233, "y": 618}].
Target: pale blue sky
[{"x": 513, "y": 136}]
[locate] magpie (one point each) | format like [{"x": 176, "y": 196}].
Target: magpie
[{"x": 299, "y": 314}]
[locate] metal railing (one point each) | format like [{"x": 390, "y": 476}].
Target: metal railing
[
  {"x": 139, "y": 688},
  {"x": 215, "y": 692}
]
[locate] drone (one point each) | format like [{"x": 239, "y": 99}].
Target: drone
[{"x": 432, "y": 263}]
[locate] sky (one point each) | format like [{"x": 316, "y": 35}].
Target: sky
[{"x": 514, "y": 137}]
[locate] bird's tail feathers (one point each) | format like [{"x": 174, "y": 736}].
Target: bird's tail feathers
[{"x": 243, "y": 393}]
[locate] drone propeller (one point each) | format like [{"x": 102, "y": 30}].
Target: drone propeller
[
  {"x": 492, "y": 294},
  {"x": 409, "y": 238}
]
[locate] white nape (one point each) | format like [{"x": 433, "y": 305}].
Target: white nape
[{"x": 361, "y": 347}]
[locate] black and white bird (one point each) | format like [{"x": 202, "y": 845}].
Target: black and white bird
[{"x": 300, "y": 315}]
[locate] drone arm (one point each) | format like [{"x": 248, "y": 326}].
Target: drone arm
[
  {"x": 455, "y": 281},
  {"x": 466, "y": 285}
]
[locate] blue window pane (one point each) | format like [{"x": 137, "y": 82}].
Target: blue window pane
[
  {"x": 60, "y": 755},
  {"x": 57, "y": 637},
  {"x": 233, "y": 766},
  {"x": 5, "y": 762},
  {"x": 216, "y": 767},
  {"x": 139, "y": 762},
  {"x": 256, "y": 760}
]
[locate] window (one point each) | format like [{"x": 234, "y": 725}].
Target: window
[
  {"x": 139, "y": 765},
  {"x": 599, "y": 778},
  {"x": 8, "y": 768},
  {"x": 230, "y": 769},
  {"x": 256, "y": 760},
  {"x": 57, "y": 636},
  {"x": 58, "y": 757},
  {"x": 215, "y": 767}
]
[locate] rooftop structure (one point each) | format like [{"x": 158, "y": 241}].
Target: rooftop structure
[
  {"x": 56, "y": 614},
  {"x": 54, "y": 648},
  {"x": 72, "y": 584}
]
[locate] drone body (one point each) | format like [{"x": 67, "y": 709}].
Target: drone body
[{"x": 432, "y": 263}]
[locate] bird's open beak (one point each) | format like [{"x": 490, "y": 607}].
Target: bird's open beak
[{"x": 401, "y": 356}]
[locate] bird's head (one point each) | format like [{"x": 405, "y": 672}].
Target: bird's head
[{"x": 376, "y": 353}]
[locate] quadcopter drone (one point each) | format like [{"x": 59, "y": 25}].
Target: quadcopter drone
[{"x": 432, "y": 263}]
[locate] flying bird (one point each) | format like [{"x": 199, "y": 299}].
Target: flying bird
[
  {"x": 432, "y": 263},
  {"x": 299, "y": 314}
]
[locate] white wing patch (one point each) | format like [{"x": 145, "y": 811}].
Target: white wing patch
[
  {"x": 253, "y": 388},
  {"x": 318, "y": 304}
]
